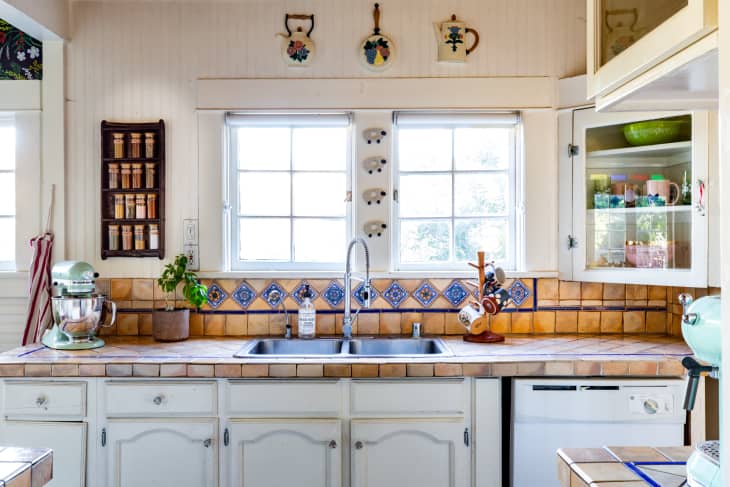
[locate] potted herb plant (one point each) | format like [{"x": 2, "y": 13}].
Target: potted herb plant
[{"x": 170, "y": 323}]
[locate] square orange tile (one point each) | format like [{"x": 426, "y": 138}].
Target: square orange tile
[
  {"x": 566, "y": 321},
  {"x": 589, "y": 321},
  {"x": 656, "y": 322},
  {"x": 634, "y": 322},
  {"x": 452, "y": 325},
  {"x": 591, "y": 291},
  {"x": 407, "y": 319},
  {"x": 214, "y": 325},
  {"x": 611, "y": 321},
  {"x": 636, "y": 292},
  {"x": 236, "y": 325},
  {"x": 258, "y": 324},
  {"x": 142, "y": 289},
  {"x": 501, "y": 323},
  {"x": 390, "y": 323},
  {"x": 121, "y": 289},
  {"x": 521, "y": 322},
  {"x": 433, "y": 323},
  {"x": 613, "y": 292},
  {"x": 544, "y": 321},
  {"x": 548, "y": 289},
  {"x": 569, "y": 290}
]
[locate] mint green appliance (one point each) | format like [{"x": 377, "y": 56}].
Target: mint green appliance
[
  {"x": 701, "y": 328},
  {"x": 78, "y": 311}
]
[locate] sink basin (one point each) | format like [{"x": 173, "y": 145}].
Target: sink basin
[
  {"x": 300, "y": 348},
  {"x": 397, "y": 347},
  {"x": 360, "y": 347}
]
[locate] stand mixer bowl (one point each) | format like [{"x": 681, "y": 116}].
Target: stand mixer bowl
[{"x": 79, "y": 317}]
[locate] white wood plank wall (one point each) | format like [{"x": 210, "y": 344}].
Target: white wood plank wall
[{"x": 132, "y": 60}]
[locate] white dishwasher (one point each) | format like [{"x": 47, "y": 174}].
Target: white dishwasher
[{"x": 548, "y": 414}]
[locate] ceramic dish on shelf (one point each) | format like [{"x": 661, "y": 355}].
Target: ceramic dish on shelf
[{"x": 654, "y": 132}]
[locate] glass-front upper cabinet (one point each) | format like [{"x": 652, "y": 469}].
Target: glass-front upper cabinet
[
  {"x": 628, "y": 37},
  {"x": 639, "y": 197}
]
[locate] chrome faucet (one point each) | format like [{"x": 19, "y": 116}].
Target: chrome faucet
[
  {"x": 348, "y": 319},
  {"x": 276, "y": 296}
]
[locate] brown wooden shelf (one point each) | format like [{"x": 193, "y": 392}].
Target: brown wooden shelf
[{"x": 107, "y": 201}]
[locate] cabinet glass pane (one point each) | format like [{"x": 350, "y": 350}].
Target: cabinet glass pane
[
  {"x": 623, "y": 22},
  {"x": 639, "y": 195}
]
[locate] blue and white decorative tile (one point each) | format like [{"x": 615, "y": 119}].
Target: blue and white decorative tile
[
  {"x": 216, "y": 295},
  {"x": 298, "y": 293},
  {"x": 266, "y": 294},
  {"x": 333, "y": 294},
  {"x": 455, "y": 293},
  {"x": 244, "y": 295},
  {"x": 359, "y": 296},
  {"x": 518, "y": 292},
  {"x": 395, "y": 294},
  {"x": 425, "y": 293}
]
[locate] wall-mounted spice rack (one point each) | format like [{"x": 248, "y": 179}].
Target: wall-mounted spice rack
[{"x": 132, "y": 189}]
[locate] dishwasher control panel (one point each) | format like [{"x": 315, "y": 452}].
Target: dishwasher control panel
[{"x": 651, "y": 404}]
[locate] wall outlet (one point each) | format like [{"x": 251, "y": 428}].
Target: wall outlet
[
  {"x": 191, "y": 252},
  {"x": 190, "y": 232}
]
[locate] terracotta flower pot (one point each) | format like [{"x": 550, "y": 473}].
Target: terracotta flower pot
[{"x": 171, "y": 326}]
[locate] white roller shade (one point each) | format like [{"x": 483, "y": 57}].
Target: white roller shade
[
  {"x": 252, "y": 119},
  {"x": 455, "y": 119}
]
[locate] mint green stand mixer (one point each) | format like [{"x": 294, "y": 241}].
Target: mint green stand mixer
[
  {"x": 701, "y": 328},
  {"x": 78, "y": 311}
]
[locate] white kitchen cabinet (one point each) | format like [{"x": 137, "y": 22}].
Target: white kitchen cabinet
[
  {"x": 66, "y": 439},
  {"x": 652, "y": 54},
  {"x": 409, "y": 453},
  {"x": 277, "y": 452},
  {"x": 642, "y": 238},
  {"x": 183, "y": 453}
]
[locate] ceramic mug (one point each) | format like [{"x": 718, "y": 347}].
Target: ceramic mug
[
  {"x": 663, "y": 188},
  {"x": 469, "y": 314}
]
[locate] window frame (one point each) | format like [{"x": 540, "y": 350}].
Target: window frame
[
  {"x": 514, "y": 172},
  {"x": 231, "y": 224},
  {"x": 7, "y": 119}
]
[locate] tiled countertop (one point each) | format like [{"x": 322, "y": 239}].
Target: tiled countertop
[
  {"x": 622, "y": 466},
  {"x": 519, "y": 355},
  {"x": 25, "y": 467}
]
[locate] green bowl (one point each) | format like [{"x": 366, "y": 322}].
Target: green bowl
[{"x": 653, "y": 132}]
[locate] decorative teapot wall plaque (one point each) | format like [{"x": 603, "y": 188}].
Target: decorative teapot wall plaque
[
  {"x": 297, "y": 48},
  {"x": 451, "y": 39}
]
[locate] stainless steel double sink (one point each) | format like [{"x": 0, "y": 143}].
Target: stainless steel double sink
[{"x": 341, "y": 348}]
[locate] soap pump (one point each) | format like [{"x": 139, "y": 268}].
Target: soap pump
[{"x": 307, "y": 315}]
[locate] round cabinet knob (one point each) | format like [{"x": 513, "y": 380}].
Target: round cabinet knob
[
  {"x": 42, "y": 402},
  {"x": 651, "y": 406},
  {"x": 158, "y": 399},
  {"x": 358, "y": 445},
  {"x": 333, "y": 444}
]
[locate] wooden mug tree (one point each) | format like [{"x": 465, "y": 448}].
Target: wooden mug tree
[{"x": 479, "y": 331}]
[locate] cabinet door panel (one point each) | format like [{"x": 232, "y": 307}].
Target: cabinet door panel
[
  {"x": 429, "y": 453},
  {"x": 67, "y": 440},
  {"x": 181, "y": 453},
  {"x": 285, "y": 452}
]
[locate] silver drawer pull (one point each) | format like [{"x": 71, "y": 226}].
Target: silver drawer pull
[
  {"x": 333, "y": 444},
  {"x": 358, "y": 445},
  {"x": 158, "y": 399},
  {"x": 42, "y": 402},
  {"x": 207, "y": 443}
]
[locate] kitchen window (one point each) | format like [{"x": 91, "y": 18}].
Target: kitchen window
[
  {"x": 455, "y": 178},
  {"x": 288, "y": 184},
  {"x": 7, "y": 192}
]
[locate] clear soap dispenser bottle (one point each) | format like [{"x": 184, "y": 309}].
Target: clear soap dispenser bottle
[{"x": 307, "y": 315}]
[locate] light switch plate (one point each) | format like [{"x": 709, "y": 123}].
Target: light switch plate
[
  {"x": 190, "y": 231},
  {"x": 191, "y": 252}
]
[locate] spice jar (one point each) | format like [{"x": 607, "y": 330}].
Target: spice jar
[
  {"x": 118, "y": 145},
  {"x": 126, "y": 237},
  {"x": 113, "y": 237},
  {"x": 126, "y": 173},
  {"x": 149, "y": 145},
  {"x": 151, "y": 206},
  {"x": 113, "y": 173},
  {"x": 118, "y": 205},
  {"x": 149, "y": 180},
  {"x": 129, "y": 210},
  {"x": 139, "y": 237},
  {"x": 136, "y": 176},
  {"x": 135, "y": 145},
  {"x": 154, "y": 237},
  {"x": 141, "y": 212}
]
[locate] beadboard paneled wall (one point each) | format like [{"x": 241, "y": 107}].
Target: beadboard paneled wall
[{"x": 135, "y": 60}]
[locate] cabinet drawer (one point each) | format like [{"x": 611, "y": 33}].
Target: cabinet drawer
[
  {"x": 161, "y": 398},
  {"x": 26, "y": 399},
  {"x": 264, "y": 398},
  {"x": 448, "y": 397}
]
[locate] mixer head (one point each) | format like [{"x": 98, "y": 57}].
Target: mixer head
[{"x": 73, "y": 278}]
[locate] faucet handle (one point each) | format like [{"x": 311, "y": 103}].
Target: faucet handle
[{"x": 366, "y": 294}]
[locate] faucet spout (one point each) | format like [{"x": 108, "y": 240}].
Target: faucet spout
[{"x": 348, "y": 319}]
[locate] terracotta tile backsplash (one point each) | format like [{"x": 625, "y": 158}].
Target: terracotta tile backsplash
[{"x": 239, "y": 307}]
